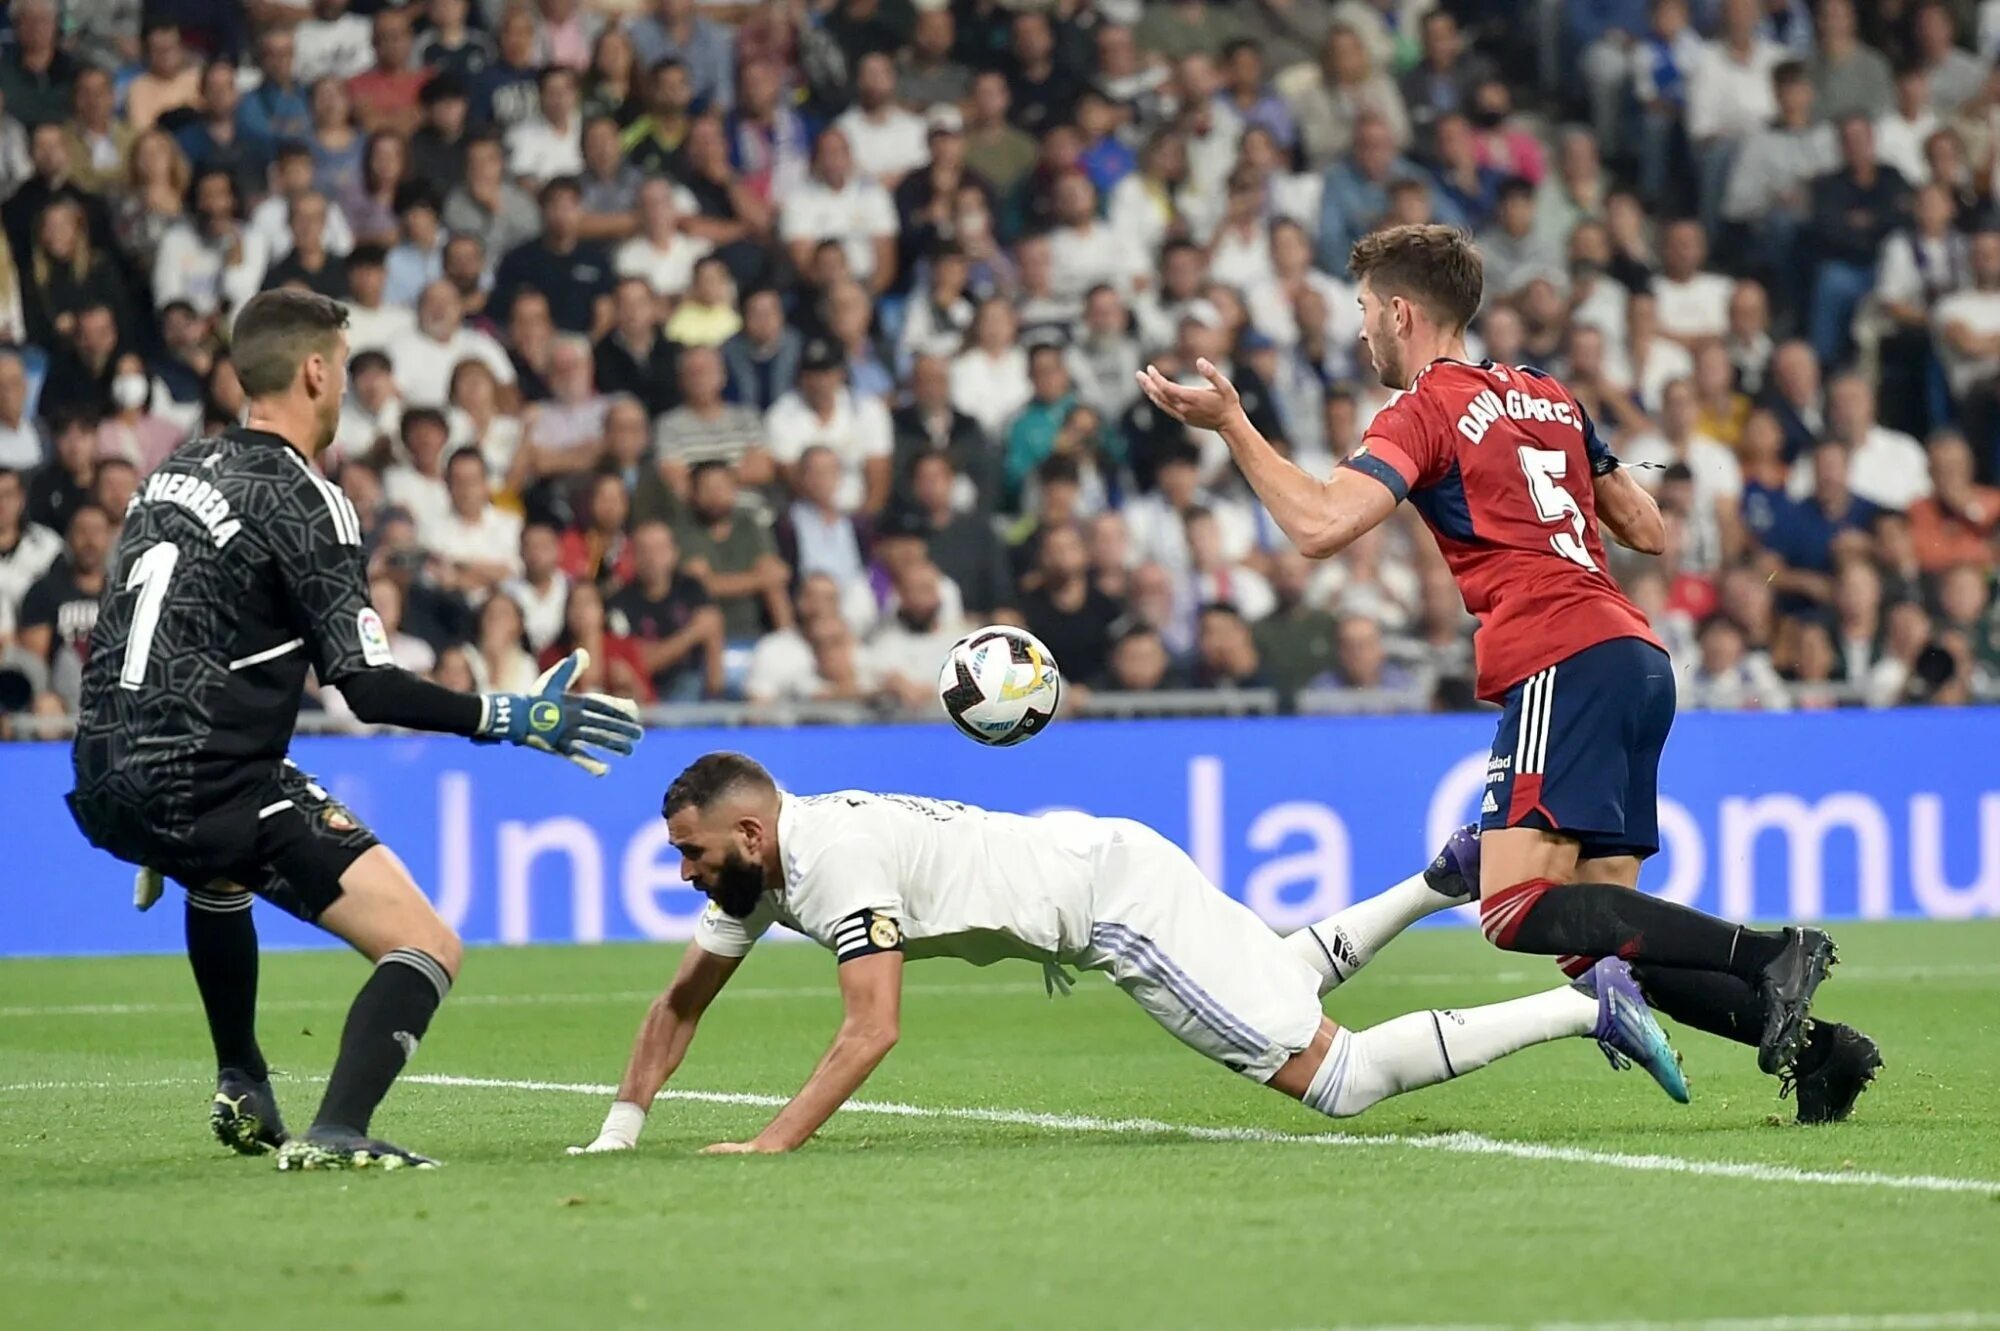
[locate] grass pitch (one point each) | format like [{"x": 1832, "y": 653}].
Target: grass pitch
[{"x": 1572, "y": 1195}]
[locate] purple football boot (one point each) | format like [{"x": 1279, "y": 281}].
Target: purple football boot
[
  {"x": 1626, "y": 1030},
  {"x": 1455, "y": 871}
]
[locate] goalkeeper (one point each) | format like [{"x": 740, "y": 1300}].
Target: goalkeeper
[{"x": 239, "y": 568}]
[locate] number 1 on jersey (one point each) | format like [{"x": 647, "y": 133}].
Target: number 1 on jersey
[
  {"x": 151, "y": 573},
  {"x": 1545, "y": 467}
]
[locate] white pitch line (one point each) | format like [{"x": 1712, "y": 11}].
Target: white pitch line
[
  {"x": 1846, "y": 974},
  {"x": 1939, "y": 1321},
  {"x": 1455, "y": 1143}
]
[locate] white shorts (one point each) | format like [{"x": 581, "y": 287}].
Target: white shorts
[{"x": 1200, "y": 962}]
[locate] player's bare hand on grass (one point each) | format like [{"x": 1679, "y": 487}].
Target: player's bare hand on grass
[
  {"x": 1204, "y": 408},
  {"x": 740, "y": 1148},
  {"x": 576, "y": 726}
]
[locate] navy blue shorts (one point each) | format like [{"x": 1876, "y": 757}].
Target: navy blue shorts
[{"x": 1578, "y": 750}]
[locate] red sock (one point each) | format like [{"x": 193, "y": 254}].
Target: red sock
[
  {"x": 1500, "y": 914},
  {"x": 1575, "y": 967}
]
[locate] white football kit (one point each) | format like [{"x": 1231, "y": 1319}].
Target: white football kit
[{"x": 868, "y": 873}]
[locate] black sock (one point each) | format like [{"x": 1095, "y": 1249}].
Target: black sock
[
  {"x": 222, "y": 952},
  {"x": 389, "y": 1016},
  {"x": 1721, "y": 1005},
  {"x": 1603, "y": 920}
]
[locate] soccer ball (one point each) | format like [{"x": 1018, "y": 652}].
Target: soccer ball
[{"x": 999, "y": 685}]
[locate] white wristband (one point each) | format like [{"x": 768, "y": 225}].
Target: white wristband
[{"x": 624, "y": 1122}]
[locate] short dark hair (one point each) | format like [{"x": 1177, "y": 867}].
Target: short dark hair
[
  {"x": 463, "y": 452},
  {"x": 415, "y": 194},
  {"x": 709, "y": 467},
  {"x": 368, "y": 254},
  {"x": 365, "y": 361},
  {"x": 1058, "y": 468},
  {"x": 416, "y": 416},
  {"x": 1438, "y": 267},
  {"x": 6, "y": 472},
  {"x": 712, "y": 776},
  {"x": 560, "y": 185},
  {"x": 275, "y": 334}
]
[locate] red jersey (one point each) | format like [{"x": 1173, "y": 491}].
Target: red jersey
[{"x": 1500, "y": 461}]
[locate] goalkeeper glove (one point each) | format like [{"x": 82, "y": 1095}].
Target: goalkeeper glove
[{"x": 554, "y": 720}]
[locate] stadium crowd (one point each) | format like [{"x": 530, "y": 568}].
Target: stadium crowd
[{"x": 763, "y": 349}]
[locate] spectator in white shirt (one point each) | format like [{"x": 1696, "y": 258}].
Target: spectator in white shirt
[
  {"x": 477, "y": 543},
  {"x": 1901, "y": 132},
  {"x": 1146, "y": 204},
  {"x": 23, "y": 445},
  {"x": 549, "y": 144},
  {"x": 1968, "y": 336},
  {"x": 822, "y": 410},
  {"x": 905, "y": 648},
  {"x": 1691, "y": 305},
  {"x": 27, "y": 551},
  {"x": 888, "y": 142},
  {"x": 1716, "y": 476},
  {"x": 372, "y": 325},
  {"x": 1215, "y": 576},
  {"x": 333, "y": 44},
  {"x": 407, "y": 650},
  {"x": 1885, "y": 467},
  {"x": 542, "y": 589},
  {"x": 1239, "y": 254},
  {"x": 415, "y": 481},
  {"x": 838, "y": 205},
  {"x": 1729, "y": 96},
  {"x": 425, "y": 357},
  {"x": 371, "y": 415},
  {"x": 1157, "y": 522},
  {"x": 1729, "y": 677},
  {"x": 499, "y": 655},
  {"x": 1084, "y": 251},
  {"x": 1273, "y": 303},
  {"x": 989, "y": 379},
  {"x": 292, "y": 180},
  {"x": 662, "y": 254},
  {"x": 212, "y": 259}
]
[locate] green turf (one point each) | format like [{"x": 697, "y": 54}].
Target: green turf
[{"x": 115, "y": 1206}]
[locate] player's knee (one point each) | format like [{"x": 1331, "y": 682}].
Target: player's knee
[
  {"x": 1501, "y": 913},
  {"x": 446, "y": 948}
]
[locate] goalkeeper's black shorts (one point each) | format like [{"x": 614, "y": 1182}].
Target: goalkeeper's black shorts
[{"x": 284, "y": 838}]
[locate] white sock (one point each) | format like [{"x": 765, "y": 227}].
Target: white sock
[
  {"x": 1424, "y": 1048},
  {"x": 1343, "y": 943}
]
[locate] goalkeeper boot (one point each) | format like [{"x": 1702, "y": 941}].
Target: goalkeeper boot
[
  {"x": 1626, "y": 1030},
  {"x": 244, "y": 1113},
  {"x": 1455, "y": 871},
  {"x": 1827, "y": 1090},
  {"x": 325, "y": 1146}
]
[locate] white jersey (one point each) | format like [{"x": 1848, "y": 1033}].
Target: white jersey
[{"x": 864, "y": 872}]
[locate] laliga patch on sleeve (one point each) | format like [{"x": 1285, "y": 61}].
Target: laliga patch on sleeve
[{"x": 374, "y": 638}]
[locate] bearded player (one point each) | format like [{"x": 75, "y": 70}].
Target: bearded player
[
  {"x": 1511, "y": 477},
  {"x": 881, "y": 879}
]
